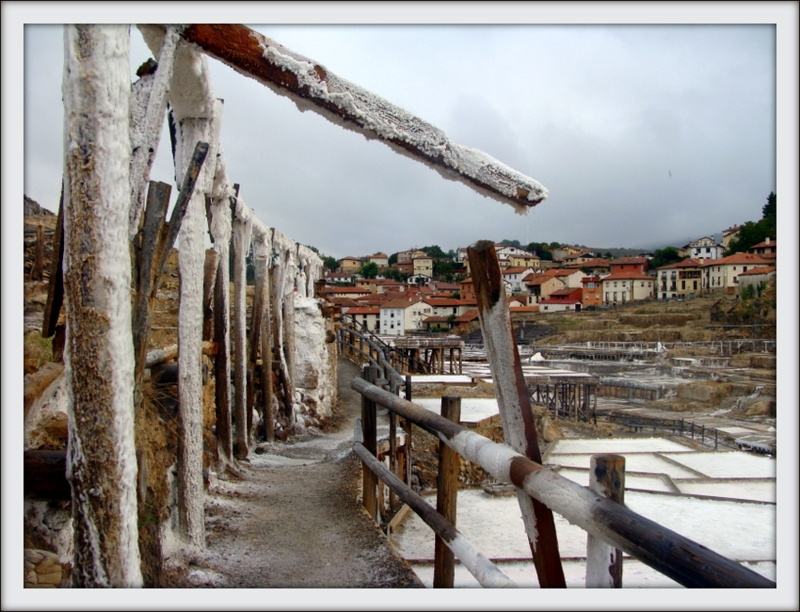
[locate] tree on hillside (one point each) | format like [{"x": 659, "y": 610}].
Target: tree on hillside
[
  {"x": 665, "y": 256},
  {"x": 443, "y": 269},
  {"x": 369, "y": 270},
  {"x": 541, "y": 250},
  {"x": 513, "y": 243},
  {"x": 751, "y": 233},
  {"x": 434, "y": 251},
  {"x": 393, "y": 259}
]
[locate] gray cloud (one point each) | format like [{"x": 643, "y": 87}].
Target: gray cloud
[{"x": 643, "y": 135}]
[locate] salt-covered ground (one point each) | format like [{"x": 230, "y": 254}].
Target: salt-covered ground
[{"x": 722, "y": 500}]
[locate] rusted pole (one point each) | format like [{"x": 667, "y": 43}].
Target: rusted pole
[
  {"x": 604, "y": 562},
  {"x": 444, "y": 571},
  {"x": 515, "y": 409},
  {"x": 370, "y": 437}
]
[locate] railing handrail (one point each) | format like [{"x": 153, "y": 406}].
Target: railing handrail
[{"x": 680, "y": 558}]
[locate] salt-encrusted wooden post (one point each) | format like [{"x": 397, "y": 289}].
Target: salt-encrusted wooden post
[
  {"x": 516, "y": 413},
  {"x": 242, "y": 229},
  {"x": 444, "y": 570},
  {"x": 192, "y": 102},
  {"x": 604, "y": 562},
  {"x": 220, "y": 225},
  {"x": 101, "y": 464},
  {"x": 260, "y": 339}
]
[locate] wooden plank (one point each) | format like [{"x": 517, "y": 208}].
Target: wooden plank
[
  {"x": 444, "y": 570},
  {"x": 513, "y": 401},
  {"x": 149, "y": 252},
  {"x": 342, "y": 102}
]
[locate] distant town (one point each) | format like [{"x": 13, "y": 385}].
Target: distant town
[{"x": 427, "y": 290}]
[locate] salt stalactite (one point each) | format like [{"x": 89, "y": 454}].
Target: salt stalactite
[
  {"x": 99, "y": 364},
  {"x": 148, "y": 107},
  {"x": 242, "y": 230},
  {"x": 193, "y": 102}
]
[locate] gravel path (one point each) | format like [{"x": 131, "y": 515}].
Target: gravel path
[{"x": 294, "y": 520}]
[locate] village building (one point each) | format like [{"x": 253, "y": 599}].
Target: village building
[
  {"x": 721, "y": 275},
  {"x": 627, "y": 286},
  {"x": 367, "y": 317},
  {"x": 729, "y": 235},
  {"x": 567, "y": 299},
  {"x": 512, "y": 277},
  {"x": 350, "y": 265},
  {"x": 768, "y": 246},
  {"x": 401, "y": 316},
  {"x": 539, "y": 287},
  {"x": 379, "y": 259},
  {"x": 333, "y": 291},
  {"x": 629, "y": 264},
  {"x": 703, "y": 248},
  {"x": 592, "y": 294},
  {"x": 525, "y": 260},
  {"x": 679, "y": 280},
  {"x": 757, "y": 278}
]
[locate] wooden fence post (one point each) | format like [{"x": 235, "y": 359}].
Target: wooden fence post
[
  {"x": 513, "y": 401},
  {"x": 369, "y": 428},
  {"x": 604, "y": 562},
  {"x": 446, "y": 498}
]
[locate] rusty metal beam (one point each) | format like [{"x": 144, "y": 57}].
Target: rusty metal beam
[{"x": 312, "y": 86}]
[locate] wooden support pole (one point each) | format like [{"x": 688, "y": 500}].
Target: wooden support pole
[
  {"x": 369, "y": 429},
  {"x": 241, "y": 245},
  {"x": 35, "y": 273},
  {"x": 209, "y": 281},
  {"x": 55, "y": 286},
  {"x": 99, "y": 361},
  {"x": 446, "y": 498},
  {"x": 222, "y": 367},
  {"x": 604, "y": 562},
  {"x": 515, "y": 410}
]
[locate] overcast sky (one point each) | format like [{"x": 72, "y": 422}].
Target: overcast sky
[{"x": 644, "y": 135}]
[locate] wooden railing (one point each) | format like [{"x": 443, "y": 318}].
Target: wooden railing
[
  {"x": 673, "y": 555},
  {"x": 540, "y": 491}
]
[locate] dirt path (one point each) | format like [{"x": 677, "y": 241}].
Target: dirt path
[{"x": 294, "y": 520}]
